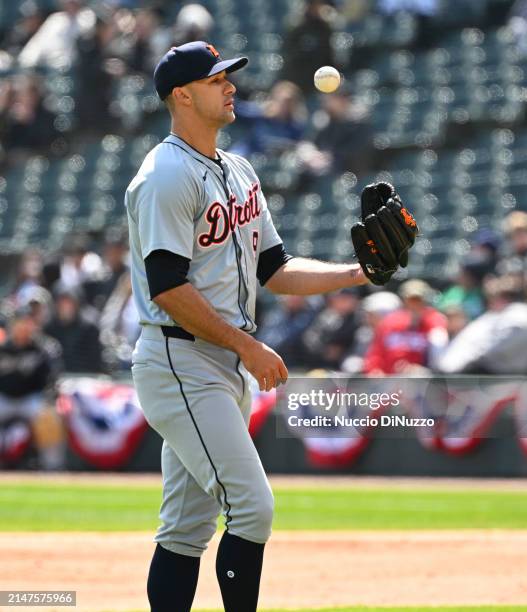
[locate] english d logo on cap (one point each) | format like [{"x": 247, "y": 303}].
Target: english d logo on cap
[
  {"x": 191, "y": 62},
  {"x": 212, "y": 49}
]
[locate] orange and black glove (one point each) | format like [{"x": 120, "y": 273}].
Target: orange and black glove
[{"x": 385, "y": 234}]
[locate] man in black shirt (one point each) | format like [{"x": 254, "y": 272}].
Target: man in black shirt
[
  {"x": 77, "y": 336},
  {"x": 28, "y": 370}
]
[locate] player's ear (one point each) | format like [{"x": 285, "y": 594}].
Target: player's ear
[{"x": 181, "y": 95}]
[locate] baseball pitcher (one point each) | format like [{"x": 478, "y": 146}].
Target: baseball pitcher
[{"x": 201, "y": 237}]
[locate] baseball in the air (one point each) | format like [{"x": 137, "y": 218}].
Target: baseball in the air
[{"x": 327, "y": 79}]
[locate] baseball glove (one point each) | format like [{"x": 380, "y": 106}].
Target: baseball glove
[{"x": 385, "y": 234}]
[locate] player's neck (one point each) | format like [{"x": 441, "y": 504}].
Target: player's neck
[{"x": 204, "y": 141}]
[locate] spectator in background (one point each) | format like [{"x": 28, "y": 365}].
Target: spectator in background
[
  {"x": 354, "y": 11},
  {"x": 411, "y": 338},
  {"x": 80, "y": 265},
  {"x": 467, "y": 291},
  {"x": 27, "y": 377},
  {"x": 119, "y": 325},
  {"x": 425, "y": 13},
  {"x": 374, "y": 308},
  {"x": 275, "y": 126},
  {"x": 149, "y": 40},
  {"x": 113, "y": 269},
  {"x": 6, "y": 63},
  {"x": 95, "y": 79},
  {"x": 456, "y": 318},
  {"x": 284, "y": 325},
  {"x": 194, "y": 22},
  {"x": 50, "y": 273},
  {"x": 518, "y": 24},
  {"x": 343, "y": 132},
  {"x": 307, "y": 45},
  {"x": 486, "y": 243},
  {"x": 39, "y": 302},
  {"x": 332, "y": 332},
  {"x": 28, "y": 277},
  {"x": 25, "y": 122},
  {"x": 77, "y": 336},
  {"x": 6, "y": 100},
  {"x": 513, "y": 261},
  {"x": 495, "y": 342},
  {"x": 31, "y": 18},
  {"x": 111, "y": 294},
  {"x": 54, "y": 44}
]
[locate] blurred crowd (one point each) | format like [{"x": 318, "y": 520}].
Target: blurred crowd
[
  {"x": 70, "y": 312},
  {"x": 94, "y": 44},
  {"x": 475, "y": 324},
  {"x": 81, "y": 299},
  {"x": 79, "y": 306},
  {"x": 73, "y": 313}
]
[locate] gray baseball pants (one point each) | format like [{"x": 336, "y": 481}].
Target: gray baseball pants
[{"x": 193, "y": 395}]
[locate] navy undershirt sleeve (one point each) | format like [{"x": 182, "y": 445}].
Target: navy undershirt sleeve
[
  {"x": 165, "y": 270},
  {"x": 270, "y": 261}
]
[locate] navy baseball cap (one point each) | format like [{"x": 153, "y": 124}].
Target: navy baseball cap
[{"x": 191, "y": 62}]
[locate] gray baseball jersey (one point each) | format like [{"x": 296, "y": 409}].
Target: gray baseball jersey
[
  {"x": 184, "y": 202},
  {"x": 194, "y": 394}
]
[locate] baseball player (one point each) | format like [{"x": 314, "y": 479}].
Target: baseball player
[{"x": 201, "y": 236}]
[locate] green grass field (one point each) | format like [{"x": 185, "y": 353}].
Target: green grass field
[{"x": 79, "y": 507}]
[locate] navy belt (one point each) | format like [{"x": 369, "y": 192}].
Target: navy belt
[{"x": 176, "y": 332}]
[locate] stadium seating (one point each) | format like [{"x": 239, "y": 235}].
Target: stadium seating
[{"x": 447, "y": 125}]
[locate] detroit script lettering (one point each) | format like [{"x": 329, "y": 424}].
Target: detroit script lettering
[{"x": 223, "y": 221}]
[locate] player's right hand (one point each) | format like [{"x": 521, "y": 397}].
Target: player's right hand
[{"x": 264, "y": 364}]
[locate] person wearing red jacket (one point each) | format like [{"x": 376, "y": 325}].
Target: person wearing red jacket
[{"x": 409, "y": 338}]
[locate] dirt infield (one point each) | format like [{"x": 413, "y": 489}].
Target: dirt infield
[{"x": 305, "y": 569}]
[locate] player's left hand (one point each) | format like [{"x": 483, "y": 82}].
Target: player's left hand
[{"x": 385, "y": 234}]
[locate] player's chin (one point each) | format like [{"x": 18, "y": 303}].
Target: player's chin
[
  {"x": 224, "y": 122},
  {"x": 229, "y": 116}
]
